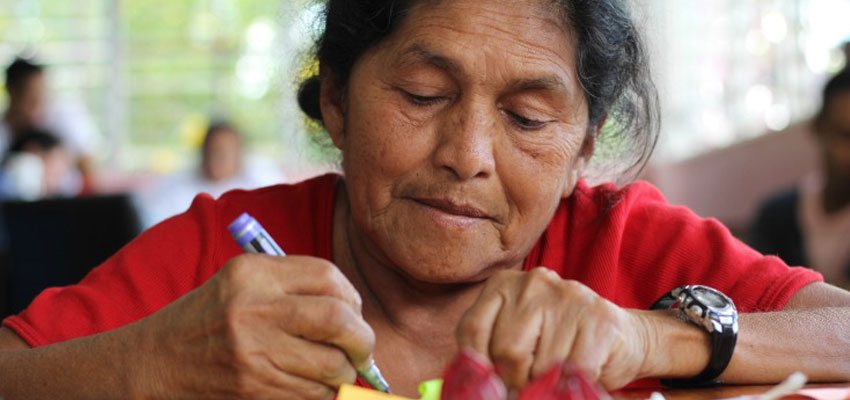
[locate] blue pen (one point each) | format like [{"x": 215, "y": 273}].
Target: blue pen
[{"x": 250, "y": 235}]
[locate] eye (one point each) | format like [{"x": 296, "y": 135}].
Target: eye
[
  {"x": 525, "y": 123},
  {"x": 423, "y": 101}
]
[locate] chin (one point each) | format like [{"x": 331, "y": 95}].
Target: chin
[{"x": 447, "y": 265}]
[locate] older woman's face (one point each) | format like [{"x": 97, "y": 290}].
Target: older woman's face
[{"x": 460, "y": 133}]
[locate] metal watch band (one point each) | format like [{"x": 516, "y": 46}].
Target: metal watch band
[{"x": 722, "y": 347}]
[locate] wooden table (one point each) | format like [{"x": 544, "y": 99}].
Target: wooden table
[{"x": 720, "y": 392}]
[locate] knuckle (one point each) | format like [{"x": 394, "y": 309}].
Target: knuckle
[
  {"x": 235, "y": 347},
  {"x": 605, "y": 311},
  {"x": 511, "y": 356},
  {"x": 471, "y": 328},
  {"x": 358, "y": 301},
  {"x": 333, "y": 365},
  {"x": 232, "y": 317},
  {"x": 543, "y": 273},
  {"x": 325, "y": 271},
  {"x": 573, "y": 286},
  {"x": 592, "y": 369},
  {"x": 609, "y": 382},
  {"x": 367, "y": 338},
  {"x": 335, "y": 368},
  {"x": 337, "y": 316},
  {"x": 577, "y": 292},
  {"x": 239, "y": 266}
]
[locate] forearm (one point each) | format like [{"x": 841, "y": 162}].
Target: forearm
[
  {"x": 97, "y": 366},
  {"x": 770, "y": 346}
]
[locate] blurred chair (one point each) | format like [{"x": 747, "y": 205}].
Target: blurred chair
[{"x": 57, "y": 242}]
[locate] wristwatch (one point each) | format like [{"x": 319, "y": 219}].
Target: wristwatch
[{"x": 713, "y": 311}]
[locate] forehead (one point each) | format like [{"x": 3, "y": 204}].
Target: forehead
[{"x": 498, "y": 36}]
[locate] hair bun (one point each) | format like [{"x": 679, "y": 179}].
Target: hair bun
[{"x": 308, "y": 98}]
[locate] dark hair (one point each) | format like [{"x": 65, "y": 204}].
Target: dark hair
[
  {"x": 838, "y": 84},
  {"x": 19, "y": 71},
  {"x": 218, "y": 127},
  {"x": 612, "y": 68},
  {"x": 42, "y": 139}
]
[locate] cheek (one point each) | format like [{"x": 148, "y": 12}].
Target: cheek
[
  {"x": 382, "y": 141},
  {"x": 543, "y": 161},
  {"x": 382, "y": 149},
  {"x": 534, "y": 173}
]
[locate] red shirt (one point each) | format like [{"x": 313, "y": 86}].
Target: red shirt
[{"x": 628, "y": 245}]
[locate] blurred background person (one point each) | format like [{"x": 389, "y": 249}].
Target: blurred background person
[
  {"x": 222, "y": 167},
  {"x": 37, "y": 165},
  {"x": 810, "y": 224},
  {"x": 31, "y": 107},
  {"x": 26, "y": 87}
]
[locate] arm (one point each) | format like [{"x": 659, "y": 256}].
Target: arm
[
  {"x": 90, "y": 367},
  {"x": 264, "y": 327},
  {"x": 809, "y": 335},
  {"x": 525, "y": 322}
]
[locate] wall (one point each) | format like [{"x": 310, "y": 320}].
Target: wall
[{"x": 730, "y": 183}]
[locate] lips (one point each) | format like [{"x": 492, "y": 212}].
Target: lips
[{"x": 449, "y": 207}]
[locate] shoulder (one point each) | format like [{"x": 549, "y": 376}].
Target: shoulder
[
  {"x": 610, "y": 238},
  {"x": 594, "y": 220},
  {"x": 608, "y": 204},
  {"x": 281, "y": 197},
  {"x": 299, "y": 216}
]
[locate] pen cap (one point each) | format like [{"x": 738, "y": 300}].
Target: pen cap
[{"x": 243, "y": 229}]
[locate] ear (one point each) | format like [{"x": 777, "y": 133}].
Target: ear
[
  {"x": 331, "y": 102},
  {"x": 582, "y": 160}
]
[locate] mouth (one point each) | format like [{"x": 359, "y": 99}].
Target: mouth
[{"x": 453, "y": 209}]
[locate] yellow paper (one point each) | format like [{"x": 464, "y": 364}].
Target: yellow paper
[{"x": 349, "y": 392}]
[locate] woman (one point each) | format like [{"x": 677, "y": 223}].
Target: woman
[{"x": 464, "y": 127}]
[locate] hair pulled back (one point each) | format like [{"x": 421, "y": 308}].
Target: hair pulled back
[{"x": 611, "y": 60}]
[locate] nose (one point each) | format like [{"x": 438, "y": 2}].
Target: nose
[{"x": 466, "y": 144}]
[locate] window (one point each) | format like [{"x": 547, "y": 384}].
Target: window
[
  {"x": 729, "y": 70},
  {"x": 151, "y": 72}
]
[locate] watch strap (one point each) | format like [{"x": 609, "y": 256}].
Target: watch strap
[{"x": 722, "y": 347}]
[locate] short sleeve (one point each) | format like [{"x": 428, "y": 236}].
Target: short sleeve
[
  {"x": 671, "y": 246},
  {"x": 156, "y": 268},
  {"x": 631, "y": 247}
]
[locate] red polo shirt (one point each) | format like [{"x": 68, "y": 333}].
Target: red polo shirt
[{"x": 628, "y": 245}]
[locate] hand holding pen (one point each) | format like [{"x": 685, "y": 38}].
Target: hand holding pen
[
  {"x": 251, "y": 236},
  {"x": 261, "y": 327}
]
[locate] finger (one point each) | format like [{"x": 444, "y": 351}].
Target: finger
[
  {"x": 514, "y": 338},
  {"x": 309, "y": 276},
  {"x": 556, "y": 340},
  {"x": 311, "y": 360},
  {"x": 590, "y": 350},
  {"x": 328, "y": 320},
  {"x": 476, "y": 325}
]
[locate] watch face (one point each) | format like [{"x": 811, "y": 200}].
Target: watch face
[{"x": 709, "y": 297}]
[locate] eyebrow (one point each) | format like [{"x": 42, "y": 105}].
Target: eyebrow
[
  {"x": 551, "y": 82},
  {"x": 421, "y": 53}
]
